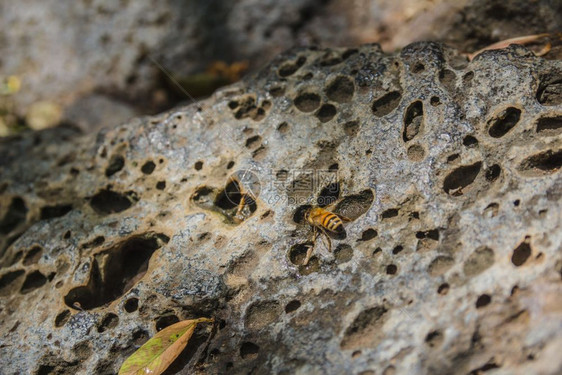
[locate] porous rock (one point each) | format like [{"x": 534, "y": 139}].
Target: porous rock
[{"x": 451, "y": 263}]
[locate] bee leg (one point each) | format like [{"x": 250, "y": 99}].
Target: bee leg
[
  {"x": 311, "y": 247},
  {"x": 241, "y": 205},
  {"x": 328, "y": 240}
]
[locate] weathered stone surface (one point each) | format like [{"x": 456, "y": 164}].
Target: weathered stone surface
[{"x": 448, "y": 170}]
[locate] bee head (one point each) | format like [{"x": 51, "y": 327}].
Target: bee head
[
  {"x": 307, "y": 214},
  {"x": 302, "y": 214}
]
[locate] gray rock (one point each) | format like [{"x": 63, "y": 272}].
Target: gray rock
[{"x": 451, "y": 263}]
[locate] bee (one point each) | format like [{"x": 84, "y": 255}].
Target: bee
[
  {"x": 241, "y": 192},
  {"x": 244, "y": 209},
  {"x": 323, "y": 222}
]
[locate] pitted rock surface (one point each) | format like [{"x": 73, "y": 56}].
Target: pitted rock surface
[{"x": 451, "y": 263}]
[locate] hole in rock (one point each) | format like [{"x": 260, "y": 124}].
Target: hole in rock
[
  {"x": 364, "y": 331},
  {"x": 10, "y": 281},
  {"x": 390, "y": 213},
  {"x": 115, "y": 271},
  {"x": 106, "y": 202},
  {"x": 292, "y": 306},
  {"x": 391, "y": 269},
  {"x": 487, "y": 367},
  {"x": 253, "y": 141},
  {"x": 97, "y": 241},
  {"x": 328, "y": 195},
  {"x": 351, "y": 128},
  {"x": 131, "y": 305},
  {"x": 443, "y": 289},
  {"x": 312, "y": 266},
  {"x": 413, "y": 121},
  {"x": 550, "y": 91},
  {"x": 33, "y": 281},
  {"x": 386, "y": 104},
  {"x": 434, "y": 338},
  {"x": 198, "y": 165},
  {"x": 470, "y": 141},
  {"x": 549, "y": 125},
  {"x": 447, "y": 78},
  {"x": 116, "y": 163},
  {"x": 343, "y": 253},
  {"x": 262, "y": 314},
  {"x": 353, "y": 206},
  {"x": 148, "y": 167},
  {"x": 49, "y": 212},
  {"x": 483, "y": 300},
  {"x": 348, "y": 53},
  {"x": 202, "y": 195},
  {"x": 504, "y": 122},
  {"x": 62, "y": 318},
  {"x": 230, "y": 196},
  {"x": 32, "y": 256},
  {"x": 541, "y": 164},
  {"x": 249, "y": 350},
  {"x": 418, "y": 68},
  {"x": 340, "y": 90},
  {"x": 416, "y": 153},
  {"x": 493, "y": 173},
  {"x": 307, "y": 102},
  {"x": 461, "y": 178},
  {"x": 109, "y": 321},
  {"x": 440, "y": 265},
  {"x": 297, "y": 254},
  {"x": 15, "y": 258},
  {"x": 289, "y": 68},
  {"x": 452, "y": 158},
  {"x": 165, "y": 321},
  {"x": 368, "y": 235},
  {"x": 432, "y": 234},
  {"x": 283, "y": 128},
  {"x": 480, "y": 260},
  {"x": 521, "y": 253},
  {"x": 326, "y": 113},
  {"x": 139, "y": 337}
]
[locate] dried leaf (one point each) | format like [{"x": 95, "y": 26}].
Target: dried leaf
[
  {"x": 523, "y": 40},
  {"x": 159, "y": 352}
]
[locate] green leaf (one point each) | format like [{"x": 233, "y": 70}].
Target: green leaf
[{"x": 160, "y": 351}]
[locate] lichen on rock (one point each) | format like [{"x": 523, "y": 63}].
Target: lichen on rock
[{"x": 449, "y": 171}]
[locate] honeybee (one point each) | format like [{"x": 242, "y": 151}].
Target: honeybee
[
  {"x": 244, "y": 209},
  {"x": 323, "y": 222},
  {"x": 241, "y": 191}
]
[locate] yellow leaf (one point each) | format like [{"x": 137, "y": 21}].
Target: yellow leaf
[{"x": 160, "y": 351}]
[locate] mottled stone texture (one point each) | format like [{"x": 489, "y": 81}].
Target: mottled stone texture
[{"x": 451, "y": 263}]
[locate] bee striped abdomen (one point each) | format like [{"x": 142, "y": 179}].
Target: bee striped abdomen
[{"x": 332, "y": 222}]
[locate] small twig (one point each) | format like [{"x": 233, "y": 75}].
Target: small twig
[{"x": 171, "y": 78}]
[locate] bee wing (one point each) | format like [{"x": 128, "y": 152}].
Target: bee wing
[{"x": 345, "y": 219}]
